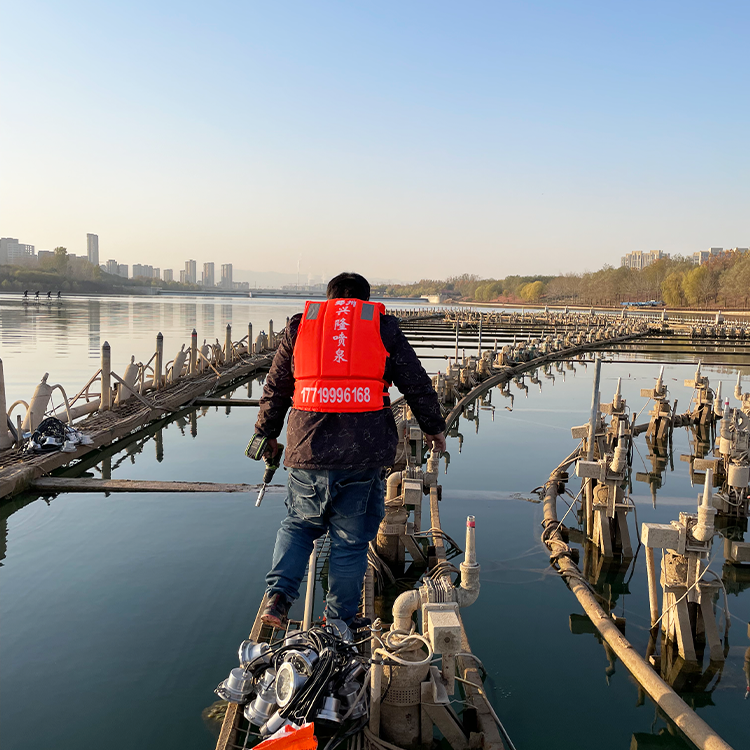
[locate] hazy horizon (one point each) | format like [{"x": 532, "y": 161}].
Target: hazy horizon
[{"x": 404, "y": 141}]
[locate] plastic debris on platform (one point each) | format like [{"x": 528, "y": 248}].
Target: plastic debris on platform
[{"x": 54, "y": 435}]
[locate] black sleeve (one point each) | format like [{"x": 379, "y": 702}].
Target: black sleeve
[
  {"x": 405, "y": 370},
  {"x": 279, "y": 387}
]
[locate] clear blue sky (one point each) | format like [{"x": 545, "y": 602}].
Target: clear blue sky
[{"x": 402, "y": 139}]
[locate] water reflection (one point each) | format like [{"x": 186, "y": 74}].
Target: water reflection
[
  {"x": 611, "y": 575},
  {"x": 94, "y": 324},
  {"x": 516, "y": 445}
]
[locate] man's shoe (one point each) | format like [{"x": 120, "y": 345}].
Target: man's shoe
[{"x": 275, "y": 611}]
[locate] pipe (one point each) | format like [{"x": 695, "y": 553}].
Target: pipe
[
  {"x": 310, "y": 592},
  {"x": 717, "y": 402},
  {"x": 65, "y": 399},
  {"x": 159, "y": 361},
  {"x": 376, "y": 681},
  {"x": 433, "y": 468},
  {"x": 617, "y": 400},
  {"x": 662, "y": 694},
  {"x": 194, "y": 352},
  {"x": 228, "y": 351},
  {"x": 106, "y": 398},
  {"x": 468, "y": 591},
  {"x": 38, "y": 406},
  {"x": 125, "y": 391},
  {"x": 77, "y": 411},
  {"x": 593, "y": 418},
  {"x": 5, "y": 439},
  {"x": 660, "y": 382},
  {"x": 704, "y": 529},
  {"x": 404, "y": 607},
  {"x": 653, "y": 601},
  {"x": 392, "y": 484},
  {"x": 620, "y": 459}
]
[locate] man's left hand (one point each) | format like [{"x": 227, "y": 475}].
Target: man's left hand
[{"x": 436, "y": 442}]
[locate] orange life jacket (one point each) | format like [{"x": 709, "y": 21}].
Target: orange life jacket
[{"x": 339, "y": 357}]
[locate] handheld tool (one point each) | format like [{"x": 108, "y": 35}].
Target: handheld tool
[{"x": 258, "y": 448}]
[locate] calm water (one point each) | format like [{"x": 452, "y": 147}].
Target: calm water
[{"x": 119, "y": 615}]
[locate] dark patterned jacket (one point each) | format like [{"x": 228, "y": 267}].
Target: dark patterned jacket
[{"x": 317, "y": 440}]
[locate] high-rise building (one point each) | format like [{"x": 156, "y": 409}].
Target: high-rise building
[
  {"x": 144, "y": 272},
  {"x": 640, "y": 259},
  {"x": 168, "y": 274},
  {"x": 12, "y": 251},
  {"x": 92, "y": 248},
  {"x": 208, "y": 275},
  {"x": 112, "y": 267},
  {"x": 191, "y": 272},
  {"x": 122, "y": 270},
  {"x": 226, "y": 276},
  {"x": 183, "y": 277},
  {"x": 156, "y": 273}
]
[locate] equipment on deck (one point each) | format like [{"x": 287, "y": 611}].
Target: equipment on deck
[{"x": 313, "y": 675}]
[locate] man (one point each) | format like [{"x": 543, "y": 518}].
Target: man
[{"x": 333, "y": 366}]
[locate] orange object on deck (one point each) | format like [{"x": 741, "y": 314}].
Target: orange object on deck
[{"x": 292, "y": 739}]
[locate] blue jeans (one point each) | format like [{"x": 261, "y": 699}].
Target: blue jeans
[{"x": 349, "y": 505}]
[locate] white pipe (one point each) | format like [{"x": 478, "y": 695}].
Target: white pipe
[
  {"x": 376, "y": 680},
  {"x": 704, "y": 529},
  {"x": 65, "y": 399},
  {"x": 38, "y": 406},
  {"x": 620, "y": 458},
  {"x": 660, "y": 381},
  {"x": 310, "y": 592},
  {"x": 404, "y": 607},
  {"x": 392, "y": 484},
  {"x": 77, "y": 411},
  {"x": 468, "y": 591}
]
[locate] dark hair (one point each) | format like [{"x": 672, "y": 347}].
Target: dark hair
[{"x": 348, "y": 285}]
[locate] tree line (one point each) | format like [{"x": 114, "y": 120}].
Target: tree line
[{"x": 722, "y": 281}]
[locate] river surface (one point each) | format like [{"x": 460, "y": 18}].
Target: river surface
[{"x": 119, "y": 615}]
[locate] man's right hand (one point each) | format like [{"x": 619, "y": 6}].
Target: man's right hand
[
  {"x": 436, "y": 442},
  {"x": 272, "y": 448}
]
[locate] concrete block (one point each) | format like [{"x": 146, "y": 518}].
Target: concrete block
[
  {"x": 591, "y": 469},
  {"x": 660, "y": 535},
  {"x": 441, "y": 623},
  {"x": 740, "y": 552},
  {"x": 701, "y": 464},
  {"x": 412, "y": 491},
  {"x": 580, "y": 432}
]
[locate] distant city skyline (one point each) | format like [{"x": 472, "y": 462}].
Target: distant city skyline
[
  {"x": 403, "y": 140},
  {"x": 13, "y": 251}
]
